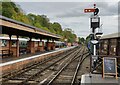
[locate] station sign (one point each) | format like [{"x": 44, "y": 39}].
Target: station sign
[{"x": 95, "y": 22}]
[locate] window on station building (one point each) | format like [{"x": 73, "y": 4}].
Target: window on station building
[
  {"x": 14, "y": 43},
  {"x": 3, "y": 43},
  {"x": 40, "y": 44},
  {"x": 36, "y": 44},
  {"x": 23, "y": 43}
]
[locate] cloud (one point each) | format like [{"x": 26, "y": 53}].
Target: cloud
[
  {"x": 65, "y": 0},
  {"x": 78, "y": 10},
  {"x": 71, "y": 14},
  {"x": 69, "y": 9}
]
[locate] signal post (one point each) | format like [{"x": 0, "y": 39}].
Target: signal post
[{"x": 95, "y": 23}]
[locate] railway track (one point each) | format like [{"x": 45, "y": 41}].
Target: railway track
[
  {"x": 47, "y": 72},
  {"x": 77, "y": 76},
  {"x": 65, "y": 75},
  {"x": 63, "y": 64},
  {"x": 27, "y": 74}
]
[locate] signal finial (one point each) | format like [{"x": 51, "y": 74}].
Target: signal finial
[{"x": 94, "y": 4}]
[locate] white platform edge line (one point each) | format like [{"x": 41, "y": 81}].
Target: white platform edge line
[
  {"x": 83, "y": 79},
  {"x": 23, "y": 59}
]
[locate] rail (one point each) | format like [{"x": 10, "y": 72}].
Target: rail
[
  {"x": 58, "y": 73},
  {"x": 81, "y": 59},
  {"x": 19, "y": 73}
]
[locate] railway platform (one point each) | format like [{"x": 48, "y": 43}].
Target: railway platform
[
  {"x": 13, "y": 58},
  {"x": 96, "y": 79},
  {"x": 16, "y": 63}
]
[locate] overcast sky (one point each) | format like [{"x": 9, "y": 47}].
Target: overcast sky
[{"x": 71, "y": 15}]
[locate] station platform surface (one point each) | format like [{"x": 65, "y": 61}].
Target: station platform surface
[
  {"x": 11, "y": 60},
  {"x": 96, "y": 79}
]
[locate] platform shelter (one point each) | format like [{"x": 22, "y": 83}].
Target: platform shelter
[{"x": 12, "y": 27}]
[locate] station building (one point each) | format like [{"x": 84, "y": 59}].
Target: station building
[{"x": 110, "y": 46}]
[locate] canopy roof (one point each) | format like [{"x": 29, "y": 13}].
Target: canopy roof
[{"x": 13, "y": 27}]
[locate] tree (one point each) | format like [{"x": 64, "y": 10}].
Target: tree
[
  {"x": 40, "y": 21},
  {"x": 8, "y": 9},
  {"x": 69, "y": 35},
  {"x": 81, "y": 40},
  {"x": 44, "y": 20},
  {"x": 31, "y": 17},
  {"x": 87, "y": 39},
  {"x": 56, "y": 27},
  {"x": 51, "y": 28}
]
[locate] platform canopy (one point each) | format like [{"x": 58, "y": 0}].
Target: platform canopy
[
  {"x": 13, "y": 27},
  {"x": 113, "y": 35}
]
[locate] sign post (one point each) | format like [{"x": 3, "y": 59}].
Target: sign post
[{"x": 109, "y": 66}]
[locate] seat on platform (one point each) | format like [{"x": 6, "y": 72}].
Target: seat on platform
[{"x": 6, "y": 53}]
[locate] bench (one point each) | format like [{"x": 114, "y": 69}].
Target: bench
[
  {"x": 6, "y": 53},
  {"x": 23, "y": 51}
]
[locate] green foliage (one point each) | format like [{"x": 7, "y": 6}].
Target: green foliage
[
  {"x": 51, "y": 28},
  {"x": 7, "y": 9},
  {"x": 0, "y": 8},
  {"x": 87, "y": 39},
  {"x": 56, "y": 28},
  {"x": 81, "y": 40},
  {"x": 45, "y": 28},
  {"x": 69, "y": 35}
]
